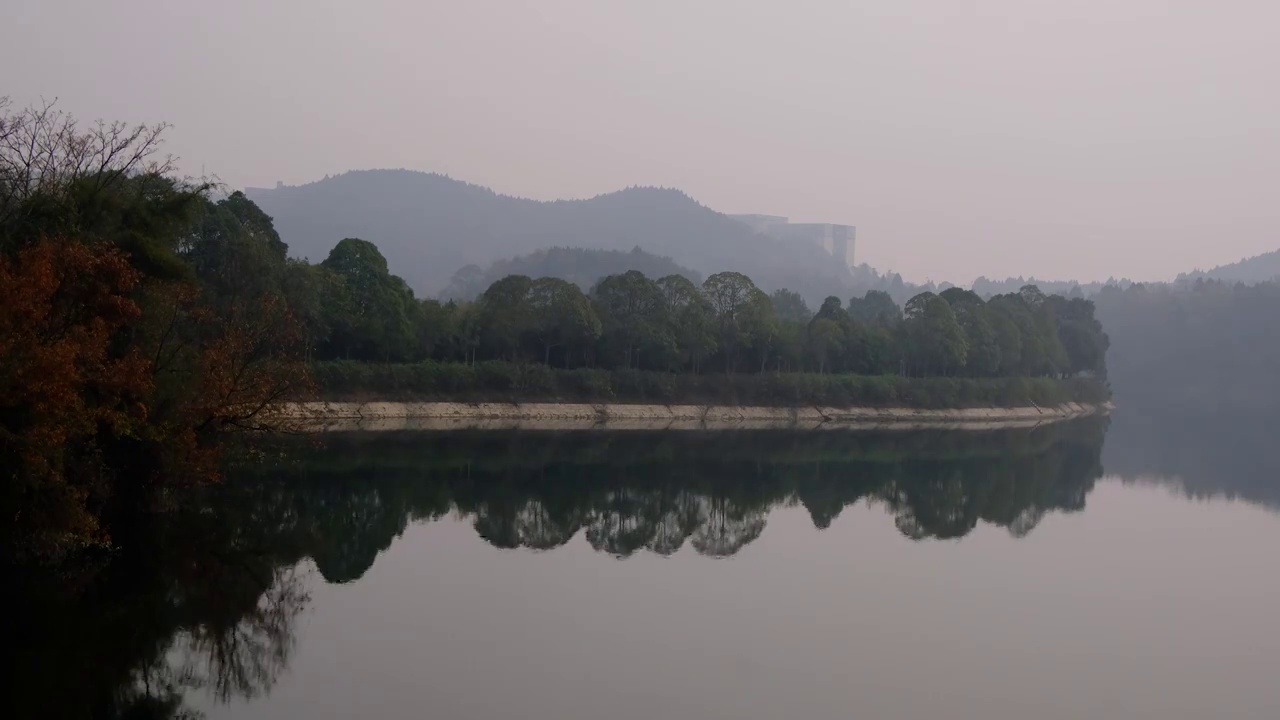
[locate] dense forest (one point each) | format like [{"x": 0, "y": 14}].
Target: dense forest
[
  {"x": 430, "y": 225},
  {"x": 1204, "y": 344},
  {"x": 1190, "y": 347},
  {"x": 1068, "y": 288}
]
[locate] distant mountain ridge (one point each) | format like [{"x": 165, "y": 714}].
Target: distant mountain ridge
[
  {"x": 428, "y": 226},
  {"x": 1252, "y": 270},
  {"x": 1256, "y": 269}
]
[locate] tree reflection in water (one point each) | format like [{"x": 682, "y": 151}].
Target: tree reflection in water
[
  {"x": 205, "y": 598},
  {"x": 659, "y": 492},
  {"x": 192, "y": 600}
]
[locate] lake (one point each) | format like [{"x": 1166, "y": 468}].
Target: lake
[{"x": 1117, "y": 568}]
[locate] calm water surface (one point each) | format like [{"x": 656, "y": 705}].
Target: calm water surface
[{"x": 716, "y": 575}]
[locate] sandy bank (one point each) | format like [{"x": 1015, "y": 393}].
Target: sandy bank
[{"x": 347, "y": 416}]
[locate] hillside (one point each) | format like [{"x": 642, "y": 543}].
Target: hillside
[
  {"x": 1067, "y": 288},
  {"x": 428, "y": 226},
  {"x": 1259, "y": 268},
  {"x": 583, "y": 267}
]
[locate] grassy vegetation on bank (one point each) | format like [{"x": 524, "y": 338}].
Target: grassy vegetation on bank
[{"x": 497, "y": 381}]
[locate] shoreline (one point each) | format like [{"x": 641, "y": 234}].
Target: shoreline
[{"x": 390, "y": 416}]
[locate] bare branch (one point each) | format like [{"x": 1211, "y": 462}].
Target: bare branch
[{"x": 43, "y": 151}]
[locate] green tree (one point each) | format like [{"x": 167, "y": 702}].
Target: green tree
[
  {"x": 875, "y": 309},
  {"x": 826, "y": 341},
  {"x": 634, "y": 318},
  {"x": 692, "y": 319},
  {"x": 833, "y": 310},
  {"x": 433, "y": 327},
  {"x": 562, "y": 317},
  {"x": 1083, "y": 340},
  {"x": 465, "y": 330},
  {"x": 935, "y": 343},
  {"x": 505, "y": 315},
  {"x": 235, "y": 251},
  {"x": 1040, "y": 351},
  {"x": 983, "y": 359},
  {"x": 790, "y": 306},
  {"x": 791, "y": 345},
  {"x": 1008, "y": 339},
  {"x": 375, "y": 313},
  {"x": 877, "y": 350},
  {"x": 730, "y": 295},
  {"x": 760, "y": 325},
  {"x": 314, "y": 293}
]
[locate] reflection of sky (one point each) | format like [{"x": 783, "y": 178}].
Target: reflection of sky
[{"x": 1146, "y": 604}]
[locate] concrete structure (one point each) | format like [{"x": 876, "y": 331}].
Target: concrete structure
[
  {"x": 838, "y": 240},
  {"x": 251, "y": 191},
  {"x": 763, "y": 224}
]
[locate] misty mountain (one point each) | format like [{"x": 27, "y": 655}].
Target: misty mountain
[
  {"x": 581, "y": 266},
  {"x": 428, "y": 226},
  {"x": 1259, "y": 268}
]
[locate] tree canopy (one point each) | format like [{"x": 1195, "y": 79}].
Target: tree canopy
[{"x": 628, "y": 320}]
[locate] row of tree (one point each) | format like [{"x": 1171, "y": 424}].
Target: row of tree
[{"x": 355, "y": 309}]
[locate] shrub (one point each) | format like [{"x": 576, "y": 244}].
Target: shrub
[
  {"x": 587, "y": 384},
  {"x": 504, "y": 381}
]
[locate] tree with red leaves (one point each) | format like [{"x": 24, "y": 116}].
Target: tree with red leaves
[
  {"x": 140, "y": 323},
  {"x": 62, "y": 304}
]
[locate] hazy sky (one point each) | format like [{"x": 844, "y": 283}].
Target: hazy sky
[{"x": 997, "y": 137}]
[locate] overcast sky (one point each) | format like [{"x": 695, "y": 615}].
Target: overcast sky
[{"x": 999, "y": 137}]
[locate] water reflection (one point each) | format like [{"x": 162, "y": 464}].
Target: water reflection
[
  {"x": 191, "y": 601},
  {"x": 1207, "y": 454},
  {"x": 206, "y": 598},
  {"x": 202, "y": 604},
  {"x": 660, "y": 492}
]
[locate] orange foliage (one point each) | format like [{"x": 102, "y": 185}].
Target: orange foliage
[
  {"x": 221, "y": 371},
  {"x": 98, "y": 397},
  {"x": 249, "y": 366},
  {"x": 61, "y": 304}
]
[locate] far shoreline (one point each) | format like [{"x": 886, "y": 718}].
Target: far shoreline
[{"x": 382, "y": 416}]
